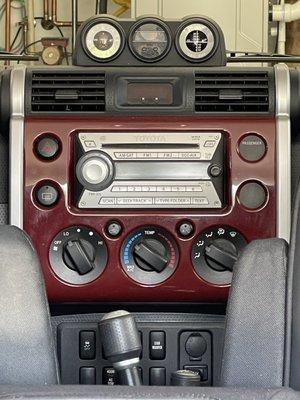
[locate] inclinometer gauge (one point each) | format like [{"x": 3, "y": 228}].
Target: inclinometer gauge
[
  {"x": 103, "y": 41},
  {"x": 196, "y": 41},
  {"x": 150, "y": 40}
]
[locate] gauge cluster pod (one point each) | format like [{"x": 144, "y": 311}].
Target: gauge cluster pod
[{"x": 195, "y": 40}]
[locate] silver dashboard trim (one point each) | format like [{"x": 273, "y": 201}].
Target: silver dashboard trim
[
  {"x": 283, "y": 150},
  {"x": 16, "y": 143}
]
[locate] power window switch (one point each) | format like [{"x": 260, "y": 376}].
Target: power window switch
[
  {"x": 87, "y": 346},
  {"x": 157, "y": 376},
  {"x": 87, "y": 376}
]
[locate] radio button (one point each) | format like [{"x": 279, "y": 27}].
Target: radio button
[
  {"x": 107, "y": 201},
  {"x": 95, "y": 171},
  {"x": 210, "y": 143},
  {"x": 194, "y": 189},
  {"x": 164, "y": 188},
  {"x": 134, "y": 201},
  {"x": 119, "y": 189},
  {"x": 203, "y": 201},
  {"x": 125, "y": 156},
  {"x": 172, "y": 200},
  {"x": 178, "y": 189}
]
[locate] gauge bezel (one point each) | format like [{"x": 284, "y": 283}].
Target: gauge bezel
[
  {"x": 155, "y": 21},
  {"x": 107, "y": 21},
  {"x": 206, "y": 24}
]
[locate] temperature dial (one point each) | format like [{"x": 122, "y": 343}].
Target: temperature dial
[
  {"x": 149, "y": 256},
  {"x": 78, "y": 255},
  {"x": 215, "y": 253}
]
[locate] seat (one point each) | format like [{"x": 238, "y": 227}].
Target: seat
[
  {"x": 27, "y": 352},
  {"x": 254, "y": 353}
]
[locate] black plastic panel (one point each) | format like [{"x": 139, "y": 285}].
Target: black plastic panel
[{"x": 177, "y": 328}]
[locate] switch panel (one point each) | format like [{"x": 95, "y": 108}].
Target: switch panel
[{"x": 166, "y": 347}]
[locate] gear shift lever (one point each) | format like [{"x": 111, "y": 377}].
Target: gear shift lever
[{"x": 122, "y": 345}]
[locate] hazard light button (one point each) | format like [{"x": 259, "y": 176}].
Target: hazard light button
[{"x": 47, "y": 148}]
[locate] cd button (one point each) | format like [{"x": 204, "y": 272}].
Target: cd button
[
  {"x": 203, "y": 201},
  {"x": 134, "y": 201},
  {"x": 172, "y": 200},
  {"x": 90, "y": 144}
]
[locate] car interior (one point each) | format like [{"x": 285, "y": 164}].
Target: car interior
[{"x": 149, "y": 199}]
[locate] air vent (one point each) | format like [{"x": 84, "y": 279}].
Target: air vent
[
  {"x": 232, "y": 92},
  {"x": 67, "y": 92}
]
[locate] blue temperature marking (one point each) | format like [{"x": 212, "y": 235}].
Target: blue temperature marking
[{"x": 127, "y": 248}]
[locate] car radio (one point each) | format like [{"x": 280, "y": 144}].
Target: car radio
[{"x": 150, "y": 170}]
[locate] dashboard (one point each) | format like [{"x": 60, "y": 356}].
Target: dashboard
[
  {"x": 145, "y": 185},
  {"x": 140, "y": 174}
]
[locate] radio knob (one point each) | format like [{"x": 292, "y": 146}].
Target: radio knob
[
  {"x": 151, "y": 255},
  {"x": 95, "y": 171},
  {"x": 221, "y": 255},
  {"x": 79, "y": 255}
]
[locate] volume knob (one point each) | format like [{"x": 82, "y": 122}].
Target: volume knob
[{"x": 95, "y": 171}]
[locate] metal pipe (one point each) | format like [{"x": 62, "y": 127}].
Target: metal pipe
[
  {"x": 54, "y": 16},
  {"x": 7, "y": 25},
  {"x": 30, "y": 25},
  {"x": 46, "y": 10},
  {"x": 102, "y": 7},
  {"x": 124, "y": 6},
  {"x": 74, "y": 22}
]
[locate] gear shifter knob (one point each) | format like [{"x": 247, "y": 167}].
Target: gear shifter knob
[{"x": 122, "y": 345}]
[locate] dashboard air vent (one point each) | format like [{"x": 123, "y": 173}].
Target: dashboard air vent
[
  {"x": 67, "y": 92},
  {"x": 232, "y": 92}
]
